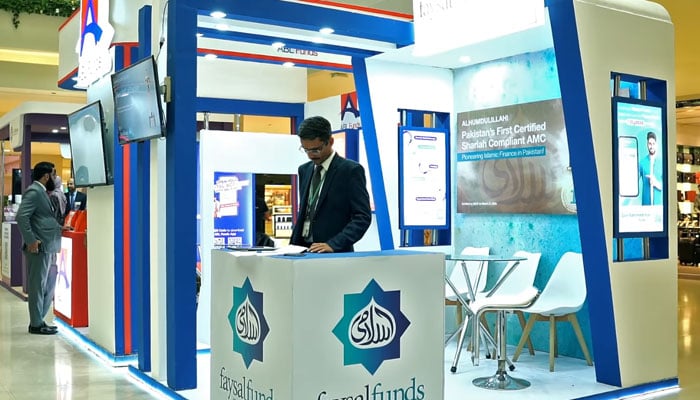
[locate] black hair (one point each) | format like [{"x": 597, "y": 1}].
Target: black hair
[
  {"x": 651, "y": 135},
  {"x": 315, "y": 127},
  {"x": 42, "y": 168}
]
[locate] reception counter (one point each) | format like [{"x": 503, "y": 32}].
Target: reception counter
[{"x": 358, "y": 325}]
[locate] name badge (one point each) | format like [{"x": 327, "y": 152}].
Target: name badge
[{"x": 305, "y": 229}]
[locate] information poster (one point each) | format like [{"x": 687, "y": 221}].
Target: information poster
[
  {"x": 639, "y": 167},
  {"x": 234, "y": 209},
  {"x": 63, "y": 301},
  {"x": 424, "y": 177},
  {"x": 514, "y": 159},
  {"x": 6, "y": 252}
]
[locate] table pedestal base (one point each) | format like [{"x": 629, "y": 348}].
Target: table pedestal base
[{"x": 501, "y": 381}]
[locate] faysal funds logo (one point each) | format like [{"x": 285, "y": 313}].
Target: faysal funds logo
[
  {"x": 371, "y": 327},
  {"x": 248, "y": 323}
]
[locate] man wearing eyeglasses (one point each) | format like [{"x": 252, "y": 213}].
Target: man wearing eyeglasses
[{"x": 334, "y": 210}]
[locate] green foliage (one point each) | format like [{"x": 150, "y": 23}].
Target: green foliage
[{"x": 56, "y": 8}]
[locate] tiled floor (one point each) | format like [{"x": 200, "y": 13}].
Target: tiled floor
[{"x": 52, "y": 367}]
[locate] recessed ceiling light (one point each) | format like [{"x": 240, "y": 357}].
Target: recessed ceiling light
[
  {"x": 326, "y": 30},
  {"x": 221, "y": 27},
  {"x": 210, "y": 56},
  {"x": 198, "y": 34},
  {"x": 277, "y": 45},
  {"x": 465, "y": 59},
  {"x": 54, "y": 130},
  {"x": 288, "y": 64},
  {"x": 63, "y": 128},
  {"x": 218, "y": 14}
]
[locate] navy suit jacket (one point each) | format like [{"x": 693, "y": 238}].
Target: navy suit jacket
[
  {"x": 343, "y": 214},
  {"x": 79, "y": 197}
]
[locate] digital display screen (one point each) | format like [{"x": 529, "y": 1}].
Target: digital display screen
[
  {"x": 424, "y": 177},
  {"x": 86, "y": 133},
  {"x": 640, "y": 168},
  {"x": 137, "y": 105}
]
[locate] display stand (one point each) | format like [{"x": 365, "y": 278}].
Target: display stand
[
  {"x": 320, "y": 326},
  {"x": 13, "y": 273},
  {"x": 71, "y": 296}
]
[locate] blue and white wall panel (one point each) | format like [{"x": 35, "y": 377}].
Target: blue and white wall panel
[
  {"x": 635, "y": 38},
  {"x": 395, "y": 86}
]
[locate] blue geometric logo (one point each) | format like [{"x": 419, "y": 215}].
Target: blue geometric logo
[
  {"x": 371, "y": 327},
  {"x": 248, "y": 323}
]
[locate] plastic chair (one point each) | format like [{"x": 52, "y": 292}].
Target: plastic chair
[
  {"x": 458, "y": 279},
  {"x": 520, "y": 279},
  {"x": 561, "y": 298}
]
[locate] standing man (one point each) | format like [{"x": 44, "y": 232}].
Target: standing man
[
  {"x": 74, "y": 197},
  {"x": 41, "y": 234},
  {"x": 334, "y": 210},
  {"x": 650, "y": 169}
]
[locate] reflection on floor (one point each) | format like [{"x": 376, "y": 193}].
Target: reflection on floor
[{"x": 52, "y": 367}]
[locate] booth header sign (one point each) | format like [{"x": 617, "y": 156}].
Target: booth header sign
[
  {"x": 94, "y": 41},
  {"x": 441, "y": 25}
]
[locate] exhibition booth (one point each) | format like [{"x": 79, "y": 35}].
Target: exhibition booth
[{"x": 511, "y": 117}]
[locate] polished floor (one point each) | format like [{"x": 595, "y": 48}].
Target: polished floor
[{"x": 52, "y": 367}]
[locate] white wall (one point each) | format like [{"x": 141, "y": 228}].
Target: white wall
[
  {"x": 635, "y": 38},
  {"x": 394, "y": 86}
]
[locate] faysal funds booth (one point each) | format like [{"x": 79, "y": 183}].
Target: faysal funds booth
[{"x": 327, "y": 326}]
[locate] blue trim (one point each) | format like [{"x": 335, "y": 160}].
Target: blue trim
[
  {"x": 140, "y": 227},
  {"x": 310, "y": 17},
  {"x": 297, "y": 63},
  {"x": 352, "y": 143},
  {"x": 250, "y": 107},
  {"x": 585, "y": 174},
  {"x": 118, "y": 229},
  {"x": 369, "y": 133},
  {"x": 291, "y": 43},
  {"x": 181, "y": 225},
  {"x": 153, "y": 384},
  {"x": 81, "y": 339},
  {"x": 647, "y": 388}
]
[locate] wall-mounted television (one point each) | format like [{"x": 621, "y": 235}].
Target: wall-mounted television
[
  {"x": 86, "y": 133},
  {"x": 137, "y": 106}
]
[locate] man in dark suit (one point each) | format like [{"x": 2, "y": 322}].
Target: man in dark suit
[
  {"x": 41, "y": 234},
  {"x": 334, "y": 210},
  {"x": 76, "y": 200}
]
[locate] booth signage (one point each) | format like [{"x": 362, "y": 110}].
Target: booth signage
[
  {"x": 233, "y": 209},
  {"x": 94, "y": 41},
  {"x": 6, "y": 252},
  {"x": 514, "y": 159},
  {"x": 441, "y": 25},
  {"x": 63, "y": 298}
]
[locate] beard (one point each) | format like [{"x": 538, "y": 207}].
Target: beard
[{"x": 50, "y": 185}]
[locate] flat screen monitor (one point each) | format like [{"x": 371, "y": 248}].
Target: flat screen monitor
[
  {"x": 640, "y": 188},
  {"x": 86, "y": 133},
  {"x": 137, "y": 108}
]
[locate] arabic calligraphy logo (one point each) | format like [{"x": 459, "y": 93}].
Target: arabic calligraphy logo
[
  {"x": 248, "y": 323},
  {"x": 371, "y": 327}
]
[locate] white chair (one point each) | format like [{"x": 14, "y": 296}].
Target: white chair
[
  {"x": 561, "y": 298},
  {"x": 457, "y": 278},
  {"x": 521, "y": 278}
]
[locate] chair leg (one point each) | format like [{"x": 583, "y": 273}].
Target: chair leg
[
  {"x": 521, "y": 318},
  {"x": 525, "y": 336},
  {"x": 552, "y": 341},
  {"x": 579, "y": 335}
]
